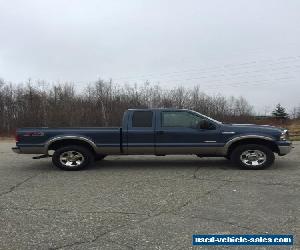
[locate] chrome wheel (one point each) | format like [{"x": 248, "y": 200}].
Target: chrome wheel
[
  {"x": 71, "y": 158},
  {"x": 253, "y": 158}
]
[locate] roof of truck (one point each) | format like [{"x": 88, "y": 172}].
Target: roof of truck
[
  {"x": 157, "y": 109},
  {"x": 173, "y": 109}
]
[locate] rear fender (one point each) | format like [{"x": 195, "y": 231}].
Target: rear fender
[{"x": 70, "y": 137}]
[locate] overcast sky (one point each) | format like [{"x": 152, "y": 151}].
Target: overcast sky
[{"x": 233, "y": 47}]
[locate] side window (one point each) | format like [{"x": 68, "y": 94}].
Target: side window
[
  {"x": 142, "y": 119},
  {"x": 180, "y": 119}
]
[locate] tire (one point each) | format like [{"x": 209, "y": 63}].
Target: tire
[
  {"x": 252, "y": 156},
  {"x": 99, "y": 157},
  {"x": 72, "y": 158}
]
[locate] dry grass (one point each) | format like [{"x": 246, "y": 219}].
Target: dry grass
[
  {"x": 294, "y": 130},
  {"x": 292, "y": 125},
  {"x": 7, "y": 139}
]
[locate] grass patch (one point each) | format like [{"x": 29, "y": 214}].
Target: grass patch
[
  {"x": 295, "y": 138},
  {"x": 294, "y": 130}
]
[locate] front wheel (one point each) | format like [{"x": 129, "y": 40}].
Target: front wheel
[
  {"x": 253, "y": 156},
  {"x": 72, "y": 158}
]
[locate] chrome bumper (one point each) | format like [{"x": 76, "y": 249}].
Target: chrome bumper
[
  {"x": 284, "y": 150},
  {"x": 16, "y": 150}
]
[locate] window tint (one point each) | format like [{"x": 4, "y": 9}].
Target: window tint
[
  {"x": 180, "y": 119},
  {"x": 142, "y": 119}
]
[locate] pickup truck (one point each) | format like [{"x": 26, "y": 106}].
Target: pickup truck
[{"x": 156, "y": 132}]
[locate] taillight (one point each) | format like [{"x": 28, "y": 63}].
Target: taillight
[{"x": 17, "y": 137}]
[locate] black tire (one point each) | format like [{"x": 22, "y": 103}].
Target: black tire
[
  {"x": 99, "y": 157},
  {"x": 83, "y": 158},
  {"x": 262, "y": 156}
]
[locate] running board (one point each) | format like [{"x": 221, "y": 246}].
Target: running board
[{"x": 41, "y": 157}]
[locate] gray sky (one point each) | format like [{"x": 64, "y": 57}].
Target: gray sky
[{"x": 232, "y": 47}]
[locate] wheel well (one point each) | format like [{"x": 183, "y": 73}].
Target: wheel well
[
  {"x": 270, "y": 144},
  {"x": 70, "y": 142}
]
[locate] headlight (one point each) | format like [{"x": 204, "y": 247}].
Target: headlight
[{"x": 284, "y": 135}]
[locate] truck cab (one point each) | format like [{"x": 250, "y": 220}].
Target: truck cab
[{"x": 169, "y": 131}]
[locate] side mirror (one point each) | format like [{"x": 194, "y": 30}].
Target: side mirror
[{"x": 204, "y": 124}]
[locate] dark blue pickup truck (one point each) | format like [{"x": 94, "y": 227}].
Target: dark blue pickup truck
[{"x": 157, "y": 132}]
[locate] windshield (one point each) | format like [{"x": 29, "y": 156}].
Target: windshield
[{"x": 209, "y": 118}]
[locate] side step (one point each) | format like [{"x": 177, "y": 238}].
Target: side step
[{"x": 41, "y": 157}]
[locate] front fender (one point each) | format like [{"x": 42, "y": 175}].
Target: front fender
[{"x": 244, "y": 137}]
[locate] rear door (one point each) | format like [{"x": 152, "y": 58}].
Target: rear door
[
  {"x": 140, "y": 132},
  {"x": 179, "y": 132}
]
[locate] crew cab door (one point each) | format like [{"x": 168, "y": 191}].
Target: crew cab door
[
  {"x": 180, "y": 132},
  {"x": 140, "y": 132}
]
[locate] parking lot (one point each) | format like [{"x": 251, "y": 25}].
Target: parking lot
[{"x": 144, "y": 202}]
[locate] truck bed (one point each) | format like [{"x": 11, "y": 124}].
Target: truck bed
[{"x": 108, "y": 139}]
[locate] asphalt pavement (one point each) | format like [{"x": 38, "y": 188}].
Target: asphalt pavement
[{"x": 143, "y": 202}]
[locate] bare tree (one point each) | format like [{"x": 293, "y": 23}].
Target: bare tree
[{"x": 102, "y": 103}]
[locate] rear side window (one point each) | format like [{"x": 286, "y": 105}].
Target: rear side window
[{"x": 142, "y": 119}]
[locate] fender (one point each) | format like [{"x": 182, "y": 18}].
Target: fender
[
  {"x": 239, "y": 138},
  {"x": 70, "y": 137}
]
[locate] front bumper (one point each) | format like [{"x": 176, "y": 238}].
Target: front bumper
[
  {"x": 16, "y": 150},
  {"x": 284, "y": 149}
]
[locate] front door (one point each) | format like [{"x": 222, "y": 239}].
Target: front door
[{"x": 180, "y": 132}]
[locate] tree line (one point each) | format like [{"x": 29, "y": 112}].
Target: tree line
[{"x": 103, "y": 103}]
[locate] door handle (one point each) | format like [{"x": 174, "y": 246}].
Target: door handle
[{"x": 159, "y": 132}]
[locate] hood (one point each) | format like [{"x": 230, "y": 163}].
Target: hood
[{"x": 252, "y": 127}]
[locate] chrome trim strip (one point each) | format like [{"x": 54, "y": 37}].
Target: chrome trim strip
[
  {"x": 210, "y": 141},
  {"x": 228, "y": 132}
]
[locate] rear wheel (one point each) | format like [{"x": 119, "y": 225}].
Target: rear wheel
[
  {"x": 252, "y": 156},
  {"x": 72, "y": 158}
]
